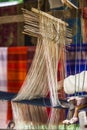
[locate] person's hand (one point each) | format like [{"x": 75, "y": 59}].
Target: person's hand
[
  {"x": 60, "y": 85},
  {"x": 71, "y": 98}
]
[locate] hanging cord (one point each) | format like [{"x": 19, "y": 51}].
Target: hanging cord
[
  {"x": 79, "y": 60},
  {"x": 80, "y": 64},
  {"x": 84, "y": 74},
  {"x": 85, "y": 57},
  {"x": 80, "y": 54},
  {"x": 39, "y": 7},
  {"x": 67, "y": 52},
  {"x": 76, "y": 50}
]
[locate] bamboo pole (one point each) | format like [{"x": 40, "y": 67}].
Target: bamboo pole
[{"x": 69, "y": 4}]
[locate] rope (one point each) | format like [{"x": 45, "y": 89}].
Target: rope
[
  {"x": 76, "y": 51},
  {"x": 85, "y": 57},
  {"x": 39, "y": 4}
]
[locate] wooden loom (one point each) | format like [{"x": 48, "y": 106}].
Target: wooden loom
[
  {"x": 28, "y": 17},
  {"x": 30, "y": 102},
  {"x": 32, "y": 28}
]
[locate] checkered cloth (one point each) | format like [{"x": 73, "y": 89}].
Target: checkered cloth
[
  {"x": 18, "y": 63},
  {"x": 17, "y": 67},
  {"x": 76, "y": 58}
]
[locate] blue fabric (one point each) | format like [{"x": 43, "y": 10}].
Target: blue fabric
[{"x": 76, "y": 60}]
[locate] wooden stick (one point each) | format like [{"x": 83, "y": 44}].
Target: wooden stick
[{"x": 69, "y": 4}]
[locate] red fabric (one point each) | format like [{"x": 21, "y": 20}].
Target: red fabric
[
  {"x": 19, "y": 61},
  {"x": 17, "y": 67}
]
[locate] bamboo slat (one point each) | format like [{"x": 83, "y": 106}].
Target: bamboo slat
[
  {"x": 49, "y": 16},
  {"x": 69, "y": 4}
]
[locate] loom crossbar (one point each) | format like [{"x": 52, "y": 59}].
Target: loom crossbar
[{"x": 45, "y": 102}]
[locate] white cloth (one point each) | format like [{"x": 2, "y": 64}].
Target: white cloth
[{"x": 76, "y": 83}]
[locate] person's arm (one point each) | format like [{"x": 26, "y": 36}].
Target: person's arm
[{"x": 76, "y": 83}]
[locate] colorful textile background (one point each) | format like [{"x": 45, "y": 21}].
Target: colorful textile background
[
  {"x": 76, "y": 62},
  {"x": 76, "y": 58},
  {"x": 14, "y": 64},
  {"x": 17, "y": 67},
  {"x": 19, "y": 62}
]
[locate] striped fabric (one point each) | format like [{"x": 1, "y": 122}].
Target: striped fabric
[{"x": 76, "y": 58}]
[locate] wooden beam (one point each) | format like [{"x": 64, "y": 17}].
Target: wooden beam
[
  {"x": 11, "y": 19},
  {"x": 20, "y": 18}
]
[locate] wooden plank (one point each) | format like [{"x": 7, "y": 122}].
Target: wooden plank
[{"x": 11, "y": 19}]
